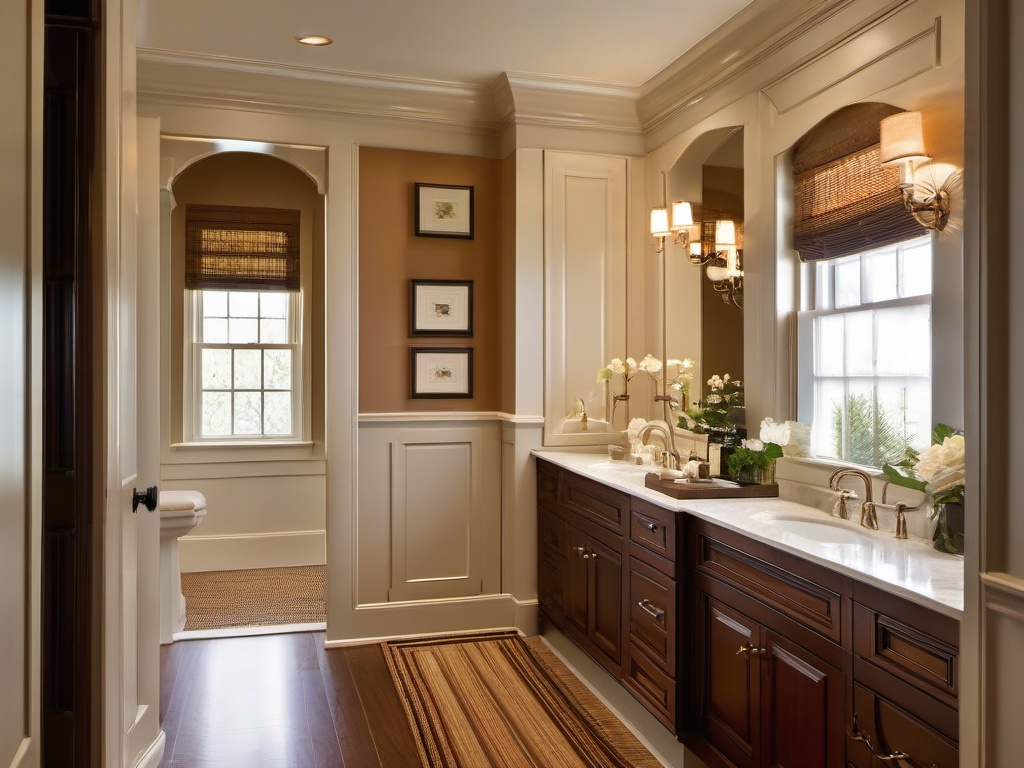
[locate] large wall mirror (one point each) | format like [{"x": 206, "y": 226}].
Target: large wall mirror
[{"x": 700, "y": 321}]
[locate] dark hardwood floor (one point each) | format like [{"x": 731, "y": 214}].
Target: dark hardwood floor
[{"x": 280, "y": 701}]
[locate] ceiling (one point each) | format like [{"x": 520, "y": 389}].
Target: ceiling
[{"x": 465, "y": 41}]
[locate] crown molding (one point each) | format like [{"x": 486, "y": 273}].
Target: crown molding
[
  {"x": 739, "y": 46},
  {"x": 181, "y": 78}
]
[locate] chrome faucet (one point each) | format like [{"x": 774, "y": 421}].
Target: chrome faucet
[
  {"x": 868, "y": 518},
  {"x": 663, "y": 429}
]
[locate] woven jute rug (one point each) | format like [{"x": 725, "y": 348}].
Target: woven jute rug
[
  {"x": 254, "y": 597},
  {"x": 496, "y": 699}
]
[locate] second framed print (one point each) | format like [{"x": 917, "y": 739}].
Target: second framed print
[
  {"x": 440, "y": 307},
  {"x": 441, "y": 372},
  {"x": 444, "y": 211}
]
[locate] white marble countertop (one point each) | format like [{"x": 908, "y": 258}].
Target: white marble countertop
[{"x": 909, "y": 567}]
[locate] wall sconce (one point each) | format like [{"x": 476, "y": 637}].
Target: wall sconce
[
  {"x": 902, "y": 145},
  {"x": 727, "y": 280},
  {"x": 679, "y": 229}
]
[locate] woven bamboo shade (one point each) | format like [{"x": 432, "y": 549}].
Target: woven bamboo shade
[
  {"x": 238, "y": 249},
  {"x": 846, "y": 202}
]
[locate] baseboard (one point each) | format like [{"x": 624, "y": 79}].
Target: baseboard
[
  {"x": 388, "y": 621},
  {"x": 259, "y": 550},
  {"x": 151, "y": 757}
]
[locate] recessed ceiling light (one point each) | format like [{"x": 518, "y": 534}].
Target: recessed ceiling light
[{"x": 314, "y": 40}]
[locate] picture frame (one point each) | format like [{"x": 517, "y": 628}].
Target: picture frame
[
  {"x": 441, "y": 372},
  {"x": 444, "y": 210},
  {"x": 441, "y": 308}
]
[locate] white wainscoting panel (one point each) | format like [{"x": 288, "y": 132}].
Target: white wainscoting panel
[{"x": 429, "y": 522}]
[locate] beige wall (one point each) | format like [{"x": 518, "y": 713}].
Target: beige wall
[{"x": 390, "y": 255}]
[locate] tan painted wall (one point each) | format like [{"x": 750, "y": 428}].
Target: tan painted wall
[{"x": 390, "y": 255}]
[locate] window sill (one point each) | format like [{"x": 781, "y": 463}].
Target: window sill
[{"x": 211, "y": 444}]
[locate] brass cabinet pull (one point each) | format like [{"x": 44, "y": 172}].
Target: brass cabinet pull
[
  {"x": 581, "y": 551},
  {"x": 858, "y": 735},
  {"x": 585, "y": 553},
  {"x": 753, "y": 650},
  {"x": 653, "y": 610}
]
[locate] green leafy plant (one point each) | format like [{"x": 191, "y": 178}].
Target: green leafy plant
[
  {"x": 890, "y": 428},
  {"x": 724, "y": 396}
]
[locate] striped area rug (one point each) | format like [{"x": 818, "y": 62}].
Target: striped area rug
[
  {"x": 497, "y": 699},
  {"x": 254, "y": 597}
]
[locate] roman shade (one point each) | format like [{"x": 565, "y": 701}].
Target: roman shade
[
  {"x": 845, "y": 201},
  {"x": 239, "y": 249}
]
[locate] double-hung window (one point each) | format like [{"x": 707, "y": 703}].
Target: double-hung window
[
  {"x": 865, "y": 353},
  {"x": 244, "y": 324}
]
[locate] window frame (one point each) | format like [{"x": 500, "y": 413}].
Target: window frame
[
  {"x": 808, "y": 313},
  {"x": 192, "y": 369}
]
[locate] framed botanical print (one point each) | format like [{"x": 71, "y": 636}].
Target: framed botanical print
[
  {"x": 444, "y": 211},
  {"x": 441, "y": 372},
  {"x": 440, "y": 307}
]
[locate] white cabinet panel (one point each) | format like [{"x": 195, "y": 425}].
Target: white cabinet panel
[{"x": 585, "y": 213}]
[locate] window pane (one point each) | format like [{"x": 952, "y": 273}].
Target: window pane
[
  {"x": 216, "y": 369},
  {"x": 880, "y": 271},
  {"x": 828, "y": 403},
  {"x": 216, "y": 416},
  {"x": 274, "y": 332},
  {"x": 274, "y": 304},
  {"x": 847, "y": 277},
  {"x": 917, "y": 270},
  {"x": 247, "y": 368},
  {"x": 860, "y": 343},
  {"x": 904, "y": 341},
  {"x": 244, "y": 304},
  {"x": 822, "y": 285},
  {"x": 858, "y": 434},
  {"x": 215, "y": 331},
  {"x": 904, "y": 411},
  {"x": 828, "y": 341},
  {"x": 215, "y": 304},
  {"x": 248, "y": 413},
  {"x": 277, "y": 413},
  {"x": 244, "y": 331},
  {"x": 277, "y": 369}
]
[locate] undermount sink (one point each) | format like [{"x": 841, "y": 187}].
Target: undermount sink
[
  {"x": 823, "y": 531},
  {"x": 625, "y": 467}
]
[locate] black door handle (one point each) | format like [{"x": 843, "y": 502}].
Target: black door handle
[{"x": 148, "y": 499}]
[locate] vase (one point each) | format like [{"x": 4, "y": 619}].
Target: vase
[{"x": 949, "y": 528}]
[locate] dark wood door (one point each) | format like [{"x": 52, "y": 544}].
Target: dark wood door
[
  {"x": 577, "y": 583},
  {"x": 731, "y": 683},
  {"x": 605, "y": 628},
  {"x": 802, "y": 714}
]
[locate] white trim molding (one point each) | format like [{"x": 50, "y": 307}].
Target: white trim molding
[{"x": 399, "y": 417}]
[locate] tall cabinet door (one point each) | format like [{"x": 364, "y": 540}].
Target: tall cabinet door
[
  {"x": 606, "y": 595},
  {"x": 802, "y": 707},
  {"x": 731, "y": 683},
  {"x": 577, "y": 583}
]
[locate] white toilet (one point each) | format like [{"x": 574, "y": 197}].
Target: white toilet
[{"x": 180, "y": 512}]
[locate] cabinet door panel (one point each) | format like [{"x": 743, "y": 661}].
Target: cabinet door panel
[
  {"x": 606, "y": 613},
  {"x": 577, "y": 583},
  {"x": 732, "y": 685},
  {"x": 802, "y": 711}
]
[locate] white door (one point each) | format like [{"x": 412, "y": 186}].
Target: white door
[{"x": 20, "y": 510}]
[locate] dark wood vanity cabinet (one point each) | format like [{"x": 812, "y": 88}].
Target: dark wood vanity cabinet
[{"x": 755, "y": 657}]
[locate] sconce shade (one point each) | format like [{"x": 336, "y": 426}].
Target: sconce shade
[
  {"x": 716, "y": 274},
  {"x": 682, "y": 215},
  {"x": 725, "y": 233},
  {"x": 902, "y": 138},
  {"x": 659, "y": 222}
]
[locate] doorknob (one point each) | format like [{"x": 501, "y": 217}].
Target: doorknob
[{"x": 147, "y": 499}]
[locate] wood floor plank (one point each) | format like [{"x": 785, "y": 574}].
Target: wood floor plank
[
  {"x": 392, "y": 734},
  {"x": 353, "y": 729}
]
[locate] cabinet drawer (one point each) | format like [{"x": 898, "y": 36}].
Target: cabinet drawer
[
  {"x": 803, "y": 597},
  {"x": 655, "y": 689},
  {"x": 547, "y": 482},
  {"x": 654, "y": 528},
  {"x": 909, "y": 641},
  {"x": 553, "y": 536},
  {"x": 595, "y": 501},
  {"x": 891, "y": 728},
  {"x": 652, "y": 614}
]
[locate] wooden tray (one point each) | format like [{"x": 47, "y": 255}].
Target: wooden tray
[{"x": 716, "y": 489}]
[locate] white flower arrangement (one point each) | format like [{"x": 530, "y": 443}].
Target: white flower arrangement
[{"x": 940, "y": 470}]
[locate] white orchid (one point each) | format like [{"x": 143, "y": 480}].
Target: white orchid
[
  {"x": 604, "y": 374},
  {"x": 617, "y": 365},
  {"x": 753, "y": 444},
  {"x": 716, "y": 382},
  {"x": 651, "y": 365}
]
